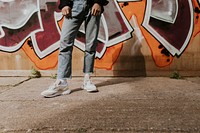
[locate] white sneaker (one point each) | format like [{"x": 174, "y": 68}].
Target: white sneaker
[
  {"x": 58, "y": 88},
  {"x": 89, "y": 86}
]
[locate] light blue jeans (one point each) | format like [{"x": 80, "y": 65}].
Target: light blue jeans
[{"x": 80, "y": 13}]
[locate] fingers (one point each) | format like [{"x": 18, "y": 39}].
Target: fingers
[
  {"x": 96, "y": 9},
  {"x": 66, "y": 11},
  {"x": 96, "y": 12},
  {"x": 67, "y": 14}
]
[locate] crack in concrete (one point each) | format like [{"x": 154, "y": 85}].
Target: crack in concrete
[
  {"x": 21, "y": 82},
  {"x": 9, "y": 87}
]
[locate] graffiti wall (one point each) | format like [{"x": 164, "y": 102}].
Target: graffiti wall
[{"x": 136, "y": 37}]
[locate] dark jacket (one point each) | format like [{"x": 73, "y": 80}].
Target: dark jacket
[{"x": 64, "y": 3}]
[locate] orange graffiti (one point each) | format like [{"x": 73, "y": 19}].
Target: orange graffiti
[
  {"x": 138, "y": 9},
  {"x": 43, "y": 64},
  {"x": 109, "y": 58},
  {"x": 196, "y": 21}
]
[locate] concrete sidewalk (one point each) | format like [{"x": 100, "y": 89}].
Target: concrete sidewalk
[{"x": 146, "y": 105}]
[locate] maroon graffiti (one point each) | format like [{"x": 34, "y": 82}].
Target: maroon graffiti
[
  {"x": 175, "y": 33},
  {"x": 40, "y": 24},
  {"x": 14, "y": 36},
  {"x": 50, "y": 34}
]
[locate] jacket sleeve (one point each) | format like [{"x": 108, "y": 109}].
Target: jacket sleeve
[
  {"x": 64, "y": 3},
  {"x": 101, "y": 2}
]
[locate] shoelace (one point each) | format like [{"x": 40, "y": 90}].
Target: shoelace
[
  {"x": 88, "y": 82},
  {"x": 54, "y": 85}
]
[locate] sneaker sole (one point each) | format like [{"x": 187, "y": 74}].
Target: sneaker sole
[
  {"x": 82, "y": 87},
  {"x": 57, "y": 94},
  {"x": 53, "y": 95},
  {"x": 67, "y": 92}
]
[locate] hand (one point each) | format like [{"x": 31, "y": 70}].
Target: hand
[
  {"x": 66, "y": 11},
  {"x": 96, "y": 9}
]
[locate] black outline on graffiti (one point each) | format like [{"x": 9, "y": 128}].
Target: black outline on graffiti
[{"x": 188, "y": 39}]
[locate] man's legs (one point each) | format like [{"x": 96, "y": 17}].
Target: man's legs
[
  {"x": 92, "y": 30},
  {"x": 68, "y": 34},
  {"x": 69, "y": 31}
]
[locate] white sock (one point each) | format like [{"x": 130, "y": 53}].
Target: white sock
[
  {"x": 63, "y": 81},
  {"x": 87, "y": 77}
]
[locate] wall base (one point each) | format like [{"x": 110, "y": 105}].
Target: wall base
[{"x": 99, "y": 73}]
